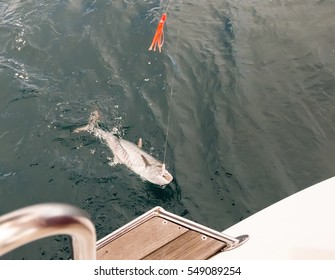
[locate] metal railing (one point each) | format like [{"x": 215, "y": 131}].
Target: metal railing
[{"x": 35, "y": 222}]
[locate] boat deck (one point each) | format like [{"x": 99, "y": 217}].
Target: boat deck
[
  {"x": 161, "y": 235},
  {"x": 158, "y": 239}
]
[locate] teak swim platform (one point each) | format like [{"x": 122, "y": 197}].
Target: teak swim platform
[{"x": 159, "y": 234}]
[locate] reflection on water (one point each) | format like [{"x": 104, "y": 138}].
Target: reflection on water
[{"x": 252, "y": 113}]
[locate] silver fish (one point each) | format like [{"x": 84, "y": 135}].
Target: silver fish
[{"x": 129, "y": 154}]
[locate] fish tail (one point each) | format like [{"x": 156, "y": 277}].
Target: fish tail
[{"x": 92, "y": 123}]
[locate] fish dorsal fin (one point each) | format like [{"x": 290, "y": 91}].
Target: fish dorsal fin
[
  {"x": 147, "y": 163},
  {"x": 139, "y": 143}
]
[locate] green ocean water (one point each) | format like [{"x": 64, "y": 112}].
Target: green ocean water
[{"x": 252, "y": 106}]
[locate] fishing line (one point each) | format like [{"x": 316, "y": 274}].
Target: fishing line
[
  {"x": 168, "y": 6},
  {"x": 172, "y": 85}
]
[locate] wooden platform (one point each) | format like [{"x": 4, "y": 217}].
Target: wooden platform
[{"x": 159, "y": 238}]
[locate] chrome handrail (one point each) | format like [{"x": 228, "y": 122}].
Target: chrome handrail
[{"x": 35, "y": 222}]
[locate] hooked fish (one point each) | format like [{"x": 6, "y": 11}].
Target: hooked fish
[{"x": 129, "y": 154}]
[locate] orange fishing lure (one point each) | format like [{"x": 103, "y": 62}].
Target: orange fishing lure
[{"x": 158, "y": 39}]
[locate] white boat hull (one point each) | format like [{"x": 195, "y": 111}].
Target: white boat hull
[{"x": 302, "y": 226}]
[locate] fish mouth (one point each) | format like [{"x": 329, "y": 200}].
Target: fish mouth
[{"x": 168, "y": 177}]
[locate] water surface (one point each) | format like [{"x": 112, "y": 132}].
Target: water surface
[{"x": 252, "y": 106}]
